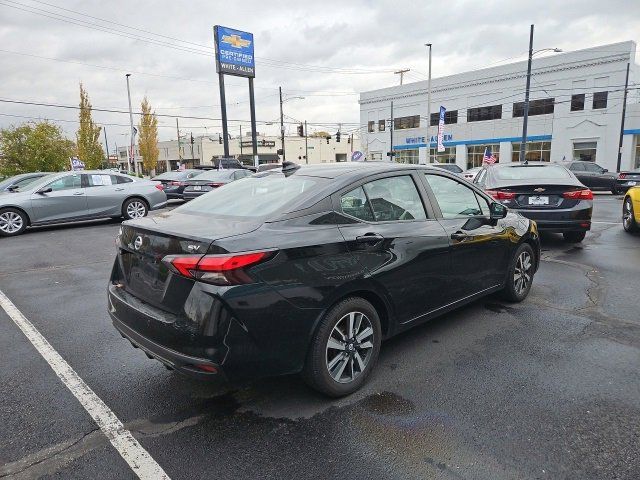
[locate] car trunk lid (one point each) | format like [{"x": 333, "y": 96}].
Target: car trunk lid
[{"x": 537, "y": 196}]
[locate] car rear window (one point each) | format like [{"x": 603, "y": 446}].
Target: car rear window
[
  {"x": 254, "y": 197},
  {"x": 216, "y": 175},
  {"x": 527, "y": 172}
]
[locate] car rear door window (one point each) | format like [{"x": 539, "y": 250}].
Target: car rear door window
[
  {"x": 576, "y": 167},
  {"x": 455, "y": 199},
  {"x": 395, "y": 198},
  {"x": 355, "y": 204},
  {"x": 121, "y": 179},
  {"x": 98, "y": 180}
]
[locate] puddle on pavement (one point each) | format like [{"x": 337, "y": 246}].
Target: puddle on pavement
[{"x": 497, "y": 307}]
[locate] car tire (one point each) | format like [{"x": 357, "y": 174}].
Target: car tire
[
  {"x": 338, "y": 364},
  {"x": 574, "y": 237},
  {"x": 134, "y": 208},
  {"x": 628, "y": 216},
  {"x": 12, "y": 222},
  {"x": 520, "y": 274}
]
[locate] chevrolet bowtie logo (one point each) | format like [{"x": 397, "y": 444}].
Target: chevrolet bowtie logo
[{"x": 236, "y": 41}]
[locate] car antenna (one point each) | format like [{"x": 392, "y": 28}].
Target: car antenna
[{"x": 289, "y": 167}]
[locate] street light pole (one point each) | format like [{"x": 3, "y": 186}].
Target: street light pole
[
  {"x": 306, "y": 143},
  {"x": 429, "y": 107},
  {"x": 525, "y": 120},
  {"x": 281, "y": 124},
  {"x": 132, "y": 152}
]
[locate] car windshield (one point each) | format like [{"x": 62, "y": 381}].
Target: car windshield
[
  {"x": 527, "y": 172},
  {"x": 172, "y": 175},
  {"x": 216, "y": 175},
  {"x": 253, "y": 197}
]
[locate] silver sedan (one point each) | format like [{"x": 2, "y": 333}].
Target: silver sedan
[{"x": 75, "y": 196}]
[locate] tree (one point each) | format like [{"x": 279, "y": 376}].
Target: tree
[
  {"x": 34, "y": 147},
  {"x": 148, "y": 137},
  {"x": 321, "y": 134},
  {"x": 89, "y": 147}
]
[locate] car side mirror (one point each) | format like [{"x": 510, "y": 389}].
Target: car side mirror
[
  {"x": 497, "y": 211},
  {"x": 45, "y": 190},
  {"x": 605, "y": 170}
]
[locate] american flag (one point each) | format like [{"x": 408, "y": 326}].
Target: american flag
[{"x": 488, "y": 158}]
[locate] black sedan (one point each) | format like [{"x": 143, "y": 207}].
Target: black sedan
[
  {"x": 211, "y": 180},
  {"x": 626, "y": 180},
  {"x": 592, "y": 175},
  {"x": 548, "y": 193},
  {"x": 307, "y": 269},
  {"x": 175, "y": 181}
]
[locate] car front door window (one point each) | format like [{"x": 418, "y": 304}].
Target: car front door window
[
  {"x": 65, "y": 183},
  {"x": 455, "y": 199},
  {"x": 395, "y": 198}
]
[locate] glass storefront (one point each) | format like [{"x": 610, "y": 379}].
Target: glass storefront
[
  {"x": 475, "y": 154},
  {"x": 535, "y": 152},
  {"x": 448, "y": 156},
  {"x": 407, "y": 156},
  {"x": 585, "y": 151}
]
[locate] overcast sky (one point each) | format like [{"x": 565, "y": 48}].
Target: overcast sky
[{"x": 357, "y": 44}]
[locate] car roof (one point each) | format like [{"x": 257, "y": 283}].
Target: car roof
[{"x": 335, "y": 170}]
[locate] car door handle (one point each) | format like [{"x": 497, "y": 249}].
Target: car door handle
[
  {"x": 460, "y": 236},
  {"x": 78, "y": 193},
  {"x": 369, "y": 238},
  {"x": 119, "y": 189}
]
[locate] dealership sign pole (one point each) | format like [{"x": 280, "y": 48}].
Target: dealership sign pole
[
  {"x": 441, "y": 129},
  {"x": 235, "y": 56}
]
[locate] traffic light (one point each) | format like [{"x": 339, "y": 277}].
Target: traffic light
[
  {"x": 192, "y": 138},
  {"x": 328, "y": 139},
  {"x": 264, "y": 142},
  {"x": 338, "y": 136},
  {"x": 301, "y": 130},
  {"x": 219, "y": 139}
]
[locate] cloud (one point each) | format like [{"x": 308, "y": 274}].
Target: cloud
[{"x": 365, "y": 35}]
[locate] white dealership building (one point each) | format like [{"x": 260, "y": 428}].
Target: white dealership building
[{"x": 575, "y": 112}]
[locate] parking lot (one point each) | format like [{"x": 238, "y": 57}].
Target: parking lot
[{"x": 549, "y": 388}]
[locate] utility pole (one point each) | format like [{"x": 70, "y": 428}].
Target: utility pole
[
  {"x": 401, "y": 73},
  {"x": 281, "y": 124},
  {"x": 106, "y": 144},
  {"x": 525, "y": 119},
  {"x": 132, "y": 152},
  {"x": 179, "y": 151},
  {"x": 391, "y": 132},
  {"x": 240, "y": 139},
  {"x": 429, "y": 106},
  {"x": 624, "y": 112},
  {"x": 306, "y": 143}
]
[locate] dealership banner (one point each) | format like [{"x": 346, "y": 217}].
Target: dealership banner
[
  {"x": 441, "y": 129},
  {"x": 234, "y": 52}
]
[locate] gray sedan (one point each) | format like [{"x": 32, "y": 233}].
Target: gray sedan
[
  {"x": 75, "y": 196},
  {"x": 20, "y": 180}
]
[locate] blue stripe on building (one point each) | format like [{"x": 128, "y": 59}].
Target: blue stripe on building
[{"x": 532, "y": 138}]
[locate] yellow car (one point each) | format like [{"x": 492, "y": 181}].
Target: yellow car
[{"x": 631, "y": 210}]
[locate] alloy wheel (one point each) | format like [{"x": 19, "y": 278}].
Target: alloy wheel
[
  {"x": 627, "y": 214},
  {"x": 349, "y": 347},
  {"x": 136, "y": 209},
  {"x": 11, "y": 222},
  {"x": 522, "y": 273}
]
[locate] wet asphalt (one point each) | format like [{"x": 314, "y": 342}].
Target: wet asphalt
[{"x": 549, "y": 388}]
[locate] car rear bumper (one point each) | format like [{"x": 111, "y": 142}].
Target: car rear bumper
[
  {"x": 192, "y": 195},
  {"x": 577, "y": 219},
  {"x": 624, "y": 185}
]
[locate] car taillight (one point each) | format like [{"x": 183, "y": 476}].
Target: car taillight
[
  {"x": 176, "y": 184},
  {"x": 622, "y": 176},
  {"x": 215, "y": 185},
  {"x": 585, "y": 194},
  {"x": 216, "y": 269},
  {"x": 501, "y": 194},
  {"x": 159, "y": 186}
]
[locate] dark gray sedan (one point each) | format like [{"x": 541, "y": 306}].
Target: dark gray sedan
[
  {"x": 211, "y": 180},
  {"x": 75, "y": 196}
]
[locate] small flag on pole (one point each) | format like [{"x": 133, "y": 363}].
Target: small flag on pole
[{"x": 488, "y": 158}]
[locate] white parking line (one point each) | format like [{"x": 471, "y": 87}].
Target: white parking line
[
  {"x": 142, "y": 464},
  {"x": 609, "y": 223}
]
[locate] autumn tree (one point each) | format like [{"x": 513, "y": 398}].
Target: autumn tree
[
  {"x": 89, "y": 147},
  {"x": 148, "y": 137},
  {"x": 34, "y": 147}
]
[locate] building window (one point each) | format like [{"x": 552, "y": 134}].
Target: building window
[
  {"x": 381, "y": 125},
  {"x": 375, "y": 156},
  {"x": 448, "y": 156},
  {"x": 475, "y": 154},
  {"x": 371, "y": 126},
  {"x": 450, "y": 116},
  {"x": 577, "y": 102},
  {"x": 493, "y": 112},
  {"x": 585, "y": 151},
  {"x": 407, "y": 156},
  {"x": 600, "y": 100},
  {"x": 637, "y": 157},
  {"x": 536, "y": 107},
  {"x": 402, "y": 123},
  {"x": 535, "y": 152}
]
